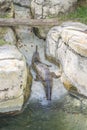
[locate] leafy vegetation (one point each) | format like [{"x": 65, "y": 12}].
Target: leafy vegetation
[{"x": 80, "y": 15}]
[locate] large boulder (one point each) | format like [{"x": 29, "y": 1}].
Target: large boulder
[
  {"x": 15, "y": 80},
  {"x": 67, "y": 45},
  {"x": 47, "y": 9}
]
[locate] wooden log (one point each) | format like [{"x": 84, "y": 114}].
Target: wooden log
[{"x": 28, "y": 22}]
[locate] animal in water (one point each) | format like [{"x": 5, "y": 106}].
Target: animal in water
[{"x": 43, "y": 73}]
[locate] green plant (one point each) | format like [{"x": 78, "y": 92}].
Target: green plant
[{"x": 78, "y": 15}]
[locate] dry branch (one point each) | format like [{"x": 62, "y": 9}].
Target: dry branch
[{"x": 28, "y": 22}]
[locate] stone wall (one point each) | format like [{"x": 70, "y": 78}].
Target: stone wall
[{"x": 46, "y": 9}]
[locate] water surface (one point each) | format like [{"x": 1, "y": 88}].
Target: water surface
[{"x": 46, "y": 117}]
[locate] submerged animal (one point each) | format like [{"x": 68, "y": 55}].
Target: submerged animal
[{"x": 43, "y": 73}]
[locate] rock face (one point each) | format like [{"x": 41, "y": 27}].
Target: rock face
[
  {"x": 21, "y": 12},
  {"x": 49, "y": 9},
  {"x": 67, "y": 45},
  {"x": 7, "y": 36},
  {"x": 24, "y": 3},
  {"x": 6, "y": 8},
  {"x": 15, "y": 80},
  {"x": 22, "y": 32}
]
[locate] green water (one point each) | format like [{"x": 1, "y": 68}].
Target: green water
[{"x": 50, "y": 117}]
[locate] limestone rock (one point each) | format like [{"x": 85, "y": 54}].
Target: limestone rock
[
  {"x": 41, "y": 32},
  {"x": 24, "y": 3},
  {"x": 15, "y": 80},
  {"x": 6, "y": 8},
  {"x": 41, "y": 9},
  {"x": 67, "y": 45},
  {"x": 7, "y": 36},
  {"x": 50, "y": 8},
  {"x": 72, "y": 105},
  {"x": 22, "y": 32},
  {"x": 21, "y": 12}
]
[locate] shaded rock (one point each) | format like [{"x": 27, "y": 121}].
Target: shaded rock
[
  {"x": 7, "y": 36},
  {"x": 72, "y": 105},
  {"x": 41, "y": 9},
  {"x": 25, "y": 3},
  {"x": 22, "y": 32},
  {"x": 6, "y": 8},
  {"x": 41, "y": 32},
  {"x": 67, "y": 45},
  {"x": 15, "y": 80},
  {"x": 37, "y": 92},
  {"x": 58, "y": 91},
  {"x": 21, "y": 12},
  {"x": 75, "y": 104}
]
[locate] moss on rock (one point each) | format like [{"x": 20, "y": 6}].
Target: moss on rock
[
  {"x": 6, "y": 9},
  {"x": 7, "y": 36}
]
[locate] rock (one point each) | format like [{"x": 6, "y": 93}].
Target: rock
[
  {"x": 72, "y": 105},
  {"x": 24, "y": 3},
  {"x": 6, "y": 9},
  {"x": 7, "y": 36},
  {"x": 21, "y": 12},
  {"x": 22, "y": 32},
  {"x": 15, "y": 80},
  {"x": 58, "y": 91},
  {"x": 67, "y": 45},
  {"x": 41, "y": 32},
  {"x": 50, "y": 8},
  {"x": 46, "y": 9},
  {"x": 37, "y": 92}
]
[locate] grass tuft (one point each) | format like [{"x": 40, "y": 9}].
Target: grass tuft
[{"x": 80, "y": 15}]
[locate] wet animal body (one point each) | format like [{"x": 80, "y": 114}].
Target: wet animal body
[{"x": 43, "y": 73}]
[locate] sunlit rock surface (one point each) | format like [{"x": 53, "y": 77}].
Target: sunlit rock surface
[
  {"x": 67, "y": 45},
  {"x": 46, "y": 9},
  {"x": 15, "y": 80},
  {"x": 49, "y": 8}
]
